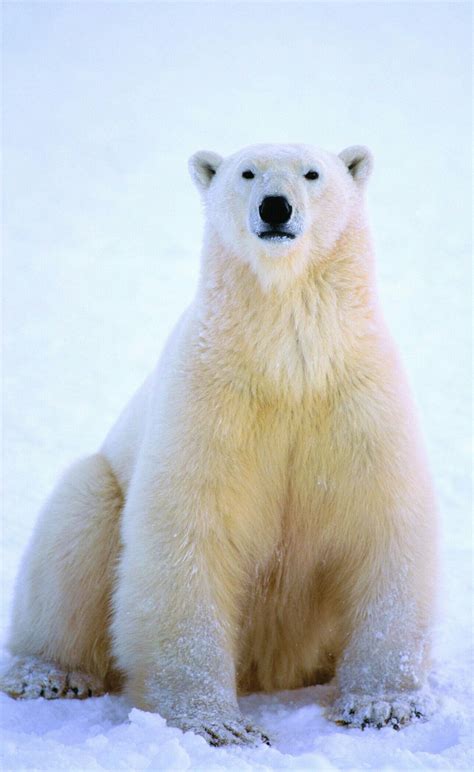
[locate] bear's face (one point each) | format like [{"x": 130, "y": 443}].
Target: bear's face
[{"x": 279, "y": 207}]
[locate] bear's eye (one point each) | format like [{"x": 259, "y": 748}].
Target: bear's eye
[
  {"x": 312, "y": 175},
  {"x": 248, "y": 175}
]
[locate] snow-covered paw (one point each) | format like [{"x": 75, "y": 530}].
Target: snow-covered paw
[
  {"x": 235, "y": 731},
  {"x": 30, "y": 677},
  {"x": 363, "y": 711}
]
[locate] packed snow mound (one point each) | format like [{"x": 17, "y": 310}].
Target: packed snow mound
[{"x": 106, "y": 733}]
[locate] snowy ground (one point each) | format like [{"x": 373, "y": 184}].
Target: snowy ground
[{"x": 104, "y": 103}]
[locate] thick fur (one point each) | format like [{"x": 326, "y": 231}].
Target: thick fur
[{"x": 278, "y": 525}]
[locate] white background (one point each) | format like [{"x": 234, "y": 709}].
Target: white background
[{"x": 103, "y": 103}]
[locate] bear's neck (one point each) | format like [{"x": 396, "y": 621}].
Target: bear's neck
[{"x": 296, "y": 340}]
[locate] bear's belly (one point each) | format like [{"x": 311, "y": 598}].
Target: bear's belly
[
  {"x": 295, "y": 621},
  {"x": 292, "y": 629}
]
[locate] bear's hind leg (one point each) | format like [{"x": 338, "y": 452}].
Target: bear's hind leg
[{"x": 62, "y": 605}]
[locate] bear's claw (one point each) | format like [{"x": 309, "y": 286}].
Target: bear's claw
[{"x": 230, "y": 732}]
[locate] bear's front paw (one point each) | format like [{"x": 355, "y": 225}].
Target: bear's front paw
[
  {"x": 361, "y": 710},
  {"x": 232, "y": 731}
]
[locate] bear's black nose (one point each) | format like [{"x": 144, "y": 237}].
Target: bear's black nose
[{"x": 275, "y": 210}]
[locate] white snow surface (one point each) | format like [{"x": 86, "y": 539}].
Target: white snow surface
[{"x": 104, "y": 103}]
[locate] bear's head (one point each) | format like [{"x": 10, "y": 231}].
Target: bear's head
[{"x": 280, "y": 207}]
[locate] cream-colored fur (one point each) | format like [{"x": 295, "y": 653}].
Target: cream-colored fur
[{"x": 278, "y": 525}]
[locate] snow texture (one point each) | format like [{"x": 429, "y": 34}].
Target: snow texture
[{"x": 104, "y": 103}]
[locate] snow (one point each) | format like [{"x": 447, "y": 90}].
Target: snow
[{"x": 104, "y": 103}]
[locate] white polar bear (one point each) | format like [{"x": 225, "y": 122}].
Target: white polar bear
[{"x": 264, "y": 494}]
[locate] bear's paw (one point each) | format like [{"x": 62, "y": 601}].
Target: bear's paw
[
  {"x": 233, "y": 731},
  {"x": 361, "y": 711}
]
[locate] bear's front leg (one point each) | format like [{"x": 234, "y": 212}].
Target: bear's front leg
[
  {"x": 382, "y": 516},
  {"x": 184, "y": 568},
  {"x": 174, "y": 628},
  {"x": 382, "y": 671}
]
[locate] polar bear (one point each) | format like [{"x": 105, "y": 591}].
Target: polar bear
[{"x": 261, "y": 516}]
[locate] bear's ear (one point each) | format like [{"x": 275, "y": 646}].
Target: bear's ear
[
  {"x": 359, "y": 162},
  {"x": 203, "y": 166}
]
